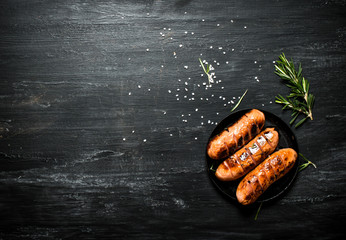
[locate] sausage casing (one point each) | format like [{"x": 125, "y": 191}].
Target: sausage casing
[
  {"x": 249, "y": 156},
  {"x": 236, "y": 136},
  {"x": 270, "y": 170}
]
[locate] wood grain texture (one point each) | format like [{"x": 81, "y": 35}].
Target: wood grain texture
[{"x": 104, "y": 117}]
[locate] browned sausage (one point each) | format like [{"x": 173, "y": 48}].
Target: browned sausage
[
  {"x": 237, "y": 135},
  {"x": 248, "y": 157},
  {"x": 269, "y": 171}
]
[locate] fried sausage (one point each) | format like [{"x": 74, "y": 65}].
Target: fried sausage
[
  {"x": 236, "y": 136},
  {"x": 248, "y": 157},
  {"x": 265, "y": 174}
]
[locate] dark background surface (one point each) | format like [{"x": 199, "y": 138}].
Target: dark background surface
[{"x": 104, "y": 117}]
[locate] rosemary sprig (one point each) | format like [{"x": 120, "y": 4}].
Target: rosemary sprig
[
  {"x": 305, "y": 165},
  {"x": 207, "y": 70},
  {"x": 299, "y": 100},
  {"x": 211, "y": 80},
  {"x": 239, "y": 101},
  {"x": 212, "y": 168}
]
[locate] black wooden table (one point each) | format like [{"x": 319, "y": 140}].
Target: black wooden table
[{"x": 105, "y": 114}]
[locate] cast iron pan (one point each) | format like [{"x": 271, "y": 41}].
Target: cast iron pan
[{"x": 286, "y": 140}]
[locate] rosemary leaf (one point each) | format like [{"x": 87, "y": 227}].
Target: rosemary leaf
[
  {"x": 239, "y": 101},
  {"x": 258, "y": 210},
  {"x": 300, "y": 122}
]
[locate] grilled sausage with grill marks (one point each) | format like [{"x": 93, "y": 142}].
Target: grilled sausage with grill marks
[
  {"x": 248, "y": 157},
  {"x": 236, "y": 136},
  {"x": 265, "y": 174}
]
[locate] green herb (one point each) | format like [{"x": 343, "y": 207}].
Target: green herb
[
  {"x": 305, "y": 165},
  {"x": 239, "y": 101},
  {"x": 258, "y": 210},
  {"x": 212, "y": 168},
  {"x": 206, "y": 71},
  {"x": 299, "y": 100}
]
